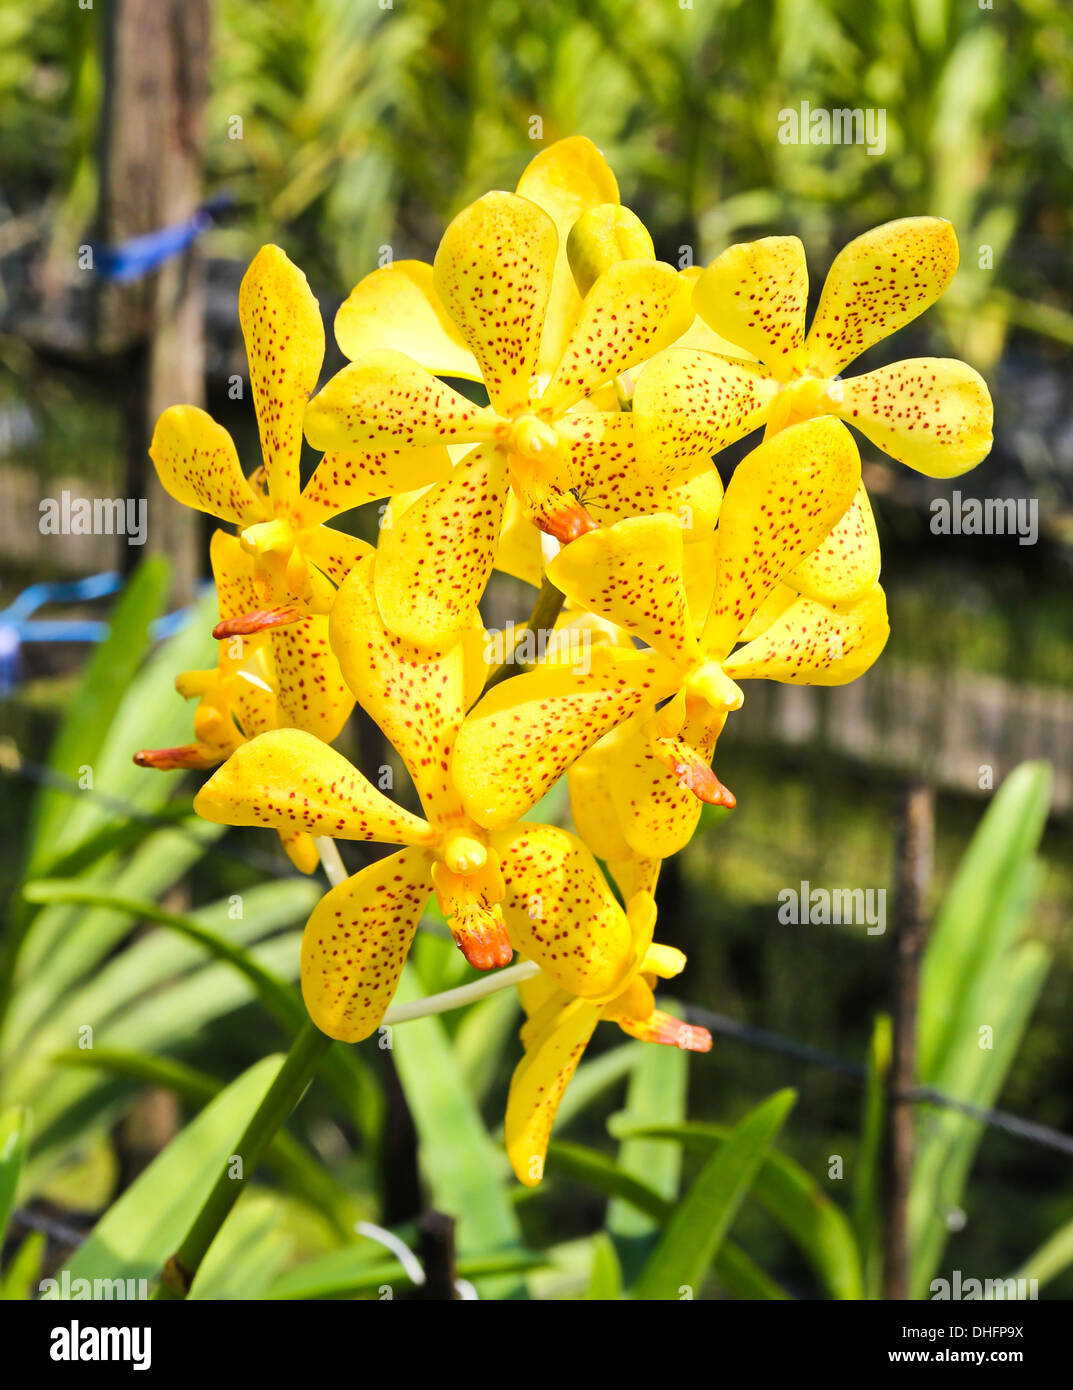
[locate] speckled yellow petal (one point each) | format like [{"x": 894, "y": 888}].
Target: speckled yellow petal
[
  {"x": 284, "y": 336},
  {"x": 398, "y": 307},
  {"x": 357, "y": 940},
  {"x": 690, "y": 404},
  {"x": 533, "y": 994},
  {"x": 614, "y": 479},
  {"x": 245, "y": 701},
  {"x": 657, "y": 810},
  {"x": 631, "y": 574},
  {"x": 197, "y": 464},
  {"x": 565, "y": 180},
  {"x": 772, "y": 607},
  {"x": 523, "y": 735},
  {"x": 310, "y": 690},
  {"x": 433, "y": 562},
  {"x": 333, "y": 552},
  {"x": 493, "y": 272},
  {"x": 590, "y": 796},
  {"x": 560, "y": 912},
  {"x": 755, "y": 295},
  {"x": 877, "y": 284},
  {"x": 845, "y": 566},
  {"x": 342, "y": 481},
  {"x": 634, "y": 310},
  {"x": 387, "y": 402},
  {"x": 232, "y": 569},
  {"x": 698, "y": 571},
  {"x": 519, "y": 552},
  {"x": 301, "y": 850},
  {"x": 601, "y": 237},
  {"x": 783, "y": 499},
  {"x": 417, "y": 702},
  {"x": 932, "y": 413},
  {"x": 291, "y": 781},
  {"x": 635, "y": 874},
  {"x": 700, "y": 335},
  {"x": 540, "y": 1080},
  {"x": 816, "y": 644}
]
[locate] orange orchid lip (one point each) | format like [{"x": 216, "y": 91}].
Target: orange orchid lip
[
  {"x": 486, "y": 947},
  {"x": 567, "y": 522},
  {"x": 260, "y": 620},
  {"x": 703, "y": 783},
  {"x": 187, "y": 755}
]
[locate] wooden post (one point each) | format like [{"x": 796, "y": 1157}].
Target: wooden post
[
  {"x": 912, "y": 878},
  {"x": 437, "y": 1254},
  {"x": 155, "y": 71}
]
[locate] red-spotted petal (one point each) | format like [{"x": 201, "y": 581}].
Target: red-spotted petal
[
  {"x": 357, "y": 940},
  {"x": 284, "y": 336},
  {"x": 434, "y": 561},
  {"x": 783, "y": 499},
  {"x": 877, "y": 284},
  {"x": 493, "y": 272}
]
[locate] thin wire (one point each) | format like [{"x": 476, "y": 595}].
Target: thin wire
[
  {"x": 1042, "y": 1135},
  {"x": 1030, "y": 1130},
  {"x": 49, "y": 777}
]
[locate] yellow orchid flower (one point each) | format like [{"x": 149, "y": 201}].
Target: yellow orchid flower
[
  {"x": 777, "y": 556},
  {"x": 527, "y": 887},
  {"x": 237, "y": 700},
  {"x": 934, "y": 414},
  {"x": 298, "y": 561},
  {"x": 560, "y": 1025},
  {"x": 499, "y": 305}
]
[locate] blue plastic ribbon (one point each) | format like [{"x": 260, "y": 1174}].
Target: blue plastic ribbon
[
  {"x": 141, "y": 255},
  {"x": 17, "y": 627}
]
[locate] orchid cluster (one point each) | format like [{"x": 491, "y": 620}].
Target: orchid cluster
[{"x": 584, "y": 461}]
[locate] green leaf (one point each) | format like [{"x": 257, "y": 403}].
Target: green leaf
[
  {"x": 817, "y": 1224},
  {"x": 153, "y": 960},
  {"x": 109, "y": 674},
  {"x": 350, "y": 1272},
  {"x": 656, "y": 1095},
  {"x": 595, "y": 1169},
  {"x": 1052, "y": 1258},
  {"x": 742, "y": 1276},
  {"x": 975, "y": 925},
  {"x": 150, "y": 714},
  {"x": 251, "y": 1249},
  {"x": 948, "y": 1141},
  {"x": 23, "y": 1270},
  {"x": 868, "y": 1174},
  {"x": 65, "y": 942},
  {"x": 139, "y": 1231},
  {"x": 298, "y": 1169},
  {"x": 463, "y": 1170},
  {"x": 483, "y": 1036},
  {"x": 734, "y": 1268},
  {"x": 80, "y": 1105},
  {"x": 702, "y": 1218},
  {"x": 974, "y": 973},
  {"x": 14, "y": 1139},
  {"x": 605, "y": 1281},
  {"x": 279, "y": 998},
  {"x": 595, "y": 1076}
]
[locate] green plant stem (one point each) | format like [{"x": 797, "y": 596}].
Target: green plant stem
[
  {"x": 546, "y": 610},
  {"x": 307, "y": 1052}
]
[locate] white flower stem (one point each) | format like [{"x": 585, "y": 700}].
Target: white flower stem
[
  {"x": 464, "y": 994},
  {"x": 329, "y": 857}
]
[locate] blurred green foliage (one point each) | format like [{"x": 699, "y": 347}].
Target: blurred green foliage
[{"x": 363, "y": 127}]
